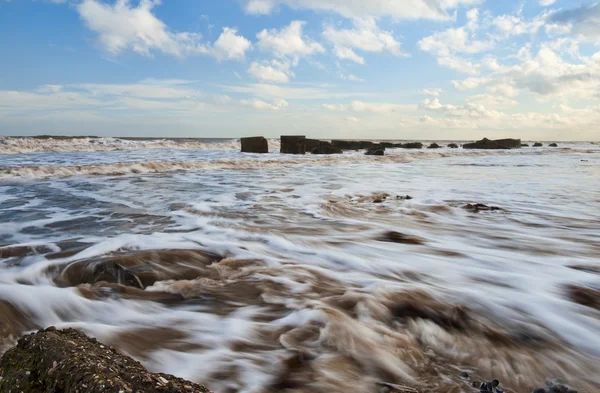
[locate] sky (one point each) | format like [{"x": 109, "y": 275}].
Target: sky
[{"x": 397, "y": 69}]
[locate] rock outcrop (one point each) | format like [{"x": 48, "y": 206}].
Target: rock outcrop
[
  {"x": 496, "y": 144},
  {"x": 453, "y": 146},
  {"x": 553, "y": 145},
  {"x": 537, "y": 144},
  {"x": 255, "y": 144},
  {"x": 51, "y": 361},
  {"x": 352, "y": 145},
  {"x": 524, "y": 145},
  {"x": 312, "y": 144},
  {"x": 326, "y": 148},
  {"x": 375, "y": 151},
  {"x": 411, "y": 145},
  {"x": 434, "y": 146},
  {"x": 293, "y": 144}
]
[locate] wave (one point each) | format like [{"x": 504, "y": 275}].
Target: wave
[
  {"x": 11, "y": 145},
  {"x": 241, "y": 162}
]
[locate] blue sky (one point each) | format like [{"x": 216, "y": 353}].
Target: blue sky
[{"x": 414, "y": 69}]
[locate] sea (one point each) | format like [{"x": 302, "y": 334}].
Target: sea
[{"x": 313, "y": 273}]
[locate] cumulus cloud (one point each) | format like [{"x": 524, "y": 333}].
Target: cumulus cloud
[
  {"x": 122, "y": 26},
  {"x": 289, "y": 41},
  {"x": 407, "y": 9},
  {"x": 454, "y": 40},
  {"x": 269, "y": 73},
  {"x": 365, "y": 36},
  {"x": 230, "y": 45}
]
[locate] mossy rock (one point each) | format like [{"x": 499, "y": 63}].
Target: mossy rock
[{"x": 52, "y": 361}]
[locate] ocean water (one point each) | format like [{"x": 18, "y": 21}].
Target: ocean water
[{"x": 262, "y": 273}]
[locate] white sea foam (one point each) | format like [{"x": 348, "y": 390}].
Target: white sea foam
[{"x": 305, "y": 270}]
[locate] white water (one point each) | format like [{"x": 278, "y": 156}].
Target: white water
[{"x": 308, "y": 229}]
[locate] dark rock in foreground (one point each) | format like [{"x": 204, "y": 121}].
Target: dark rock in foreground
[
  {"x": 453, "y": 146},
  {"x": 434, "y": 146},
  {"x": 496, "y": 144},
  {"x": 53, "y": 360},
  {"x": 537, "y": 144},
  {"x": 412, "y": 145},
  {"x": 553, "y": 145},
  {"x": 255, "y": 144},
  {"x": 293, "y": 144}
]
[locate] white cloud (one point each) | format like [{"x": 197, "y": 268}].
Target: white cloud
[
  {"x": 335, "y": 107},
  {"x": 380, "y": 107},
  {"x": 469, "y": 110},
  {"x": 405, "y": 9},
  {"x": 453, "y": 40},
  {"x": 270, "y": 91},
  {"x": 345, "y": 53},
  {"x": 350, "y": 77},
  {"x": 492, "y": 101},
  {"x": 470, "y": 83},
  {"x": 365, "y": 36},
  {"x": 473, "y": 19},
  {"x": 288, "y": 41},
  {"x": 230, "y": 45},
  {"x": 268, "y": 73},
  {"x": 123, "y": 26},
  {"x": 511, "y": 25},
  {"x": 459, "y": 64},
  {"x": 262, "y": 105},
  {"x": 546, "y": 3},
  {"x": 432, "y": 92}
]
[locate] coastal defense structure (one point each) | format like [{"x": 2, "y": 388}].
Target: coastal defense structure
[
  {"x": 293, "y": 144},
  {"x": 255, "y": 144}
]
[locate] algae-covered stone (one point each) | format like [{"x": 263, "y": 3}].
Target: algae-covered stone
[{"x": 51, "y": 361}]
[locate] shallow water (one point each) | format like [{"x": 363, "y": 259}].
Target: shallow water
[{"x": 272, "y": 272}]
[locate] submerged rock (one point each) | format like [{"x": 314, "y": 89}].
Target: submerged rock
[
  {"x": 255, "y": 144},
  {"x": 53, "y": 360},
  {"x": 293, "y": 144},
  {"x": 524, "y": 145},
  {"x": 477, "y": 207},
  {"x": 585, "y": 296},
  {"x": 398, "y": 237},
  {"x": 137, "y": 269},
  {"x": 496, "y": 144}
]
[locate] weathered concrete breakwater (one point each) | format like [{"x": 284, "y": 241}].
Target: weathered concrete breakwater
[{"x": 299, "y": 144}]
